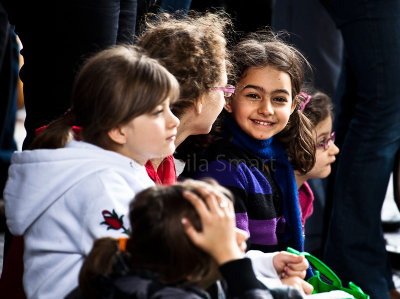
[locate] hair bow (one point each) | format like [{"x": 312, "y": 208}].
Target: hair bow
[{"x": 303, "y": 104}]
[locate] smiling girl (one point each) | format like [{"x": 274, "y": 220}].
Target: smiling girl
[{"x": 263, "y": 130}]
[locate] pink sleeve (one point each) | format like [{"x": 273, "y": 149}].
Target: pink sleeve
[{"x": 306, "y": 198}]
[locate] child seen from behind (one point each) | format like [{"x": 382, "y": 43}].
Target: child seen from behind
[{"x": 183, "y": 240}]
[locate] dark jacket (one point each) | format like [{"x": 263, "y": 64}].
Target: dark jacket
[{"x": 238, "y": 274}]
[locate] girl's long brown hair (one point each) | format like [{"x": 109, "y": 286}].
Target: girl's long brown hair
[{"x": 113, "y": 87}]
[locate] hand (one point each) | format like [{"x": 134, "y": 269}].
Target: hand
[
  {"x": 299, "y": 284},
  {"x": 241, "y": 238},
  {"x": 288, "y": 264},
  {"x": 219, "y": 235}
]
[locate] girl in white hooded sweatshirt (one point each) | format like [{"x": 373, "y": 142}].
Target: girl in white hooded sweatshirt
[{"x": 63, "y": 194}]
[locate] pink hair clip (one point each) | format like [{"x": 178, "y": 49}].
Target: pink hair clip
[{"x": 303, "y": 104}]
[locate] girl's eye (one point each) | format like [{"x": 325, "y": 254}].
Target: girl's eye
[
  {"x": 321, "y": 143},
  {"x": 158, "y": 112},
  {"x": 253, "y": 96},
  {"x": 280, "y": 100}
]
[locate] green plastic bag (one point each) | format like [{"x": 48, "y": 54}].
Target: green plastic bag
[{"x": 322, "y": 287}]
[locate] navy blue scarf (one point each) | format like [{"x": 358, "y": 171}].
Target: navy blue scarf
[{"x": 272, "y": 152}]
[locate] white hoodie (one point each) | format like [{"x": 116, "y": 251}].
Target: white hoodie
[{"x": 59, "y": 200}]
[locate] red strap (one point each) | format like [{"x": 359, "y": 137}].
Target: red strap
[
  {"x": 166, "y": 172},
  {"x": 152, "y": 173}
]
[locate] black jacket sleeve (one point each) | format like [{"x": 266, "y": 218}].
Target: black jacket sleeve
[{"x": 242, "y": 283}]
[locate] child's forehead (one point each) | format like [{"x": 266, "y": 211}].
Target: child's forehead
[
  {"x": 263, "y": 71},
  {"x": 324, "y": 127},
  {"x": 168, "y": 101},
  {"x": 265, "y": 79}
]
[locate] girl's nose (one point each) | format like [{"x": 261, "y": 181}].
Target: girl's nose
[
  {"x": 333, "y": 149},
  {"x": 173, "y": 120},
  {"x": 265, "y": 107}
]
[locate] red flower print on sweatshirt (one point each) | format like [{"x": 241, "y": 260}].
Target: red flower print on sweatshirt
[{"x": 114, "y": 221}]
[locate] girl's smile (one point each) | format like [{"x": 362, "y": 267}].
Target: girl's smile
[
  {"x": 262, "y": 123},
  {"x": 262, "y": 103}
]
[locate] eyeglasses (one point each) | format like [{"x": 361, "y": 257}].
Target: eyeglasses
[
  {"x": 228, "y": 90},
  {"x": 326, "y": 143}
]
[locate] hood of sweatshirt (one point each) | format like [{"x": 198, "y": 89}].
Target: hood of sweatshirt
[{"x": 38, "y": 178}]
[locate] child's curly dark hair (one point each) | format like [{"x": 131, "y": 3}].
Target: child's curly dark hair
[{"x": 192, "y": 48}]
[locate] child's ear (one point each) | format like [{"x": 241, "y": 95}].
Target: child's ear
[
  {"x": 198, "y": 105},
  {"x": 118, "y": 135},
  {"x": 228, "y": 104},
  {"x": 294, "y": 105}
]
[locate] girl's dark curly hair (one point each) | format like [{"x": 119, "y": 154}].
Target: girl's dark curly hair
[{"x": 192, "y": 48}]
